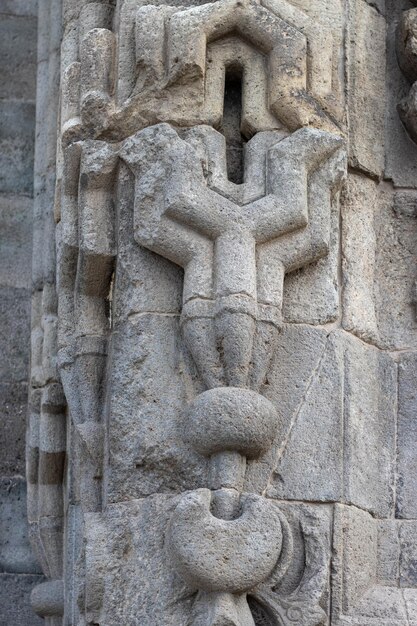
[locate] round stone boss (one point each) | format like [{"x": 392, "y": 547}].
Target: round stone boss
[
  {"x": 231, "y": 418},
  {"x": 214, "y": 554}
]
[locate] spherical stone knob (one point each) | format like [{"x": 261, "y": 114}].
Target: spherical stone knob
[
  {"x": 231, "y": 418},
  {"x": 213, "y": 554}
]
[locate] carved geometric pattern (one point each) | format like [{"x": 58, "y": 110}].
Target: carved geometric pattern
[
  {"x": 285, "y": 57},
  {"x": 235, "y": 242}
]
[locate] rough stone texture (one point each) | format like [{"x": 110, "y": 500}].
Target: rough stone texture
[
  {"x": 18, "y": 76},
  {"x": 366, "y": 87},
  {"x": 379, "y": 260},
  {"x": 17, "y": 144},
  {"x": 222, "y": 363},
  {"x": 15, "y": 552},
  {"x": 307, "y": 457},
  {"x": 369, "y": 447},
  {"x": 16, "y": 248},
  {"x": 401, "y": 153},
  {"x": 374, "y": 573},
  {"x": 326, "y": 409},
  {"x": 148, "y": 454},
  {"x": 13, "y": 407},
  {"x": 15, "y": 593},
  {"x": 312, "y": 293},
  {"x": 20, "y": 571},
  {"x": 14, "y": 334},
  {"x": 407, "y": 436}
]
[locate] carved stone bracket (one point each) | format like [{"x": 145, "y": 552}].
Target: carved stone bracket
[{"x": 235, "y": 243}]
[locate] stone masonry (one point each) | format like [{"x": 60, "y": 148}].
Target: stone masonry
[
  {"x": 222, "y": 392},
  {"x": 19, "y": 570}
]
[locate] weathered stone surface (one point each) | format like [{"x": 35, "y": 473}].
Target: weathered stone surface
[
  {"x": 16, "y": 555},
  {"x": 312, "y": 293},
  {"x": 15, "y": 592},
  {"x": 25, "y": 8},
  {"x": 388, "y": 553},
  {"x": 232, "y": 445},
  {"x": 145, "y": 282},
  {"x": 358, "y": 249},
  {"x": 369, "y": 427},
  {"x": 307, "y": 462},
  {"x": 408, "y": 558},
  {"x": 366, "y": 87},
  {"x": 17, "y": 127},
  {"x": 358, "y": 597},
  {"x": 328, "y": 409},
  {"x": 401, "y": 152},
  {"x": 13, "y": 409},
  {"x": 14, "y": 334},
  {"x": 148, "y": 454},
  {"x": 16, "y": 240},
  {"x": 407, "y": 437},
  {"x": 379, "y": 261},
  {"x": 112, "y": 538},
  {"x": 18, "y": 71}
]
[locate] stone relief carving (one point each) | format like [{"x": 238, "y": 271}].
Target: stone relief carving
[
  {"x": 407, "y": 59},
  {"x": 221, "y": 312},
  {"x": 285, "y": 58},
  {"x": 237, "y": 208}
]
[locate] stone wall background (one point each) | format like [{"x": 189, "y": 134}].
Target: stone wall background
[{"x": 19, "y": 571}]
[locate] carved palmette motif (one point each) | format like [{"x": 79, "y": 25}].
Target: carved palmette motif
[{"x": 235, "y": 241}]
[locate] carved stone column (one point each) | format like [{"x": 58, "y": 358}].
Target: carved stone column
[{"x": 224, "y": 463}]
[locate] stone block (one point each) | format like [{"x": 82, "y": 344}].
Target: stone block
[
  {"x": 306, "y": 463},
  {"x": 15, "y": 241},
  {"x": 17, "y": 135},
  {"x": 396, "y": 263},
  {"x": 161, "y": 597},
  {"x": 408, "y": 559},
  {"x": 366, "y": 87},
  {"x": 388, "y": 552},
  {"x": 358, "y": 258},
  {"x": 355, "y": 544},
  {"x": 370, "y": 397},
  {"x": 14, "y": 334},
  {"x": 15, "y": 593},
  {"x": 358, "y": 597},
  {"x": 145, "y": 281},
  {"x": 410, "y": 598},
  {"x": 151, "y": 380},
  {"x": 338, "y": 439},
  {"x": 311, "y": 294},
  {"x": 13, "y": 409},
  {"x": 407, "y": 438},
  {"x": 18, "y": 68},
  {"x": 26, "y": 8},
  {"x": 379, "y": 258},
  {"x": 401, "y": 151},
  {"x": 15, "y": 551}
]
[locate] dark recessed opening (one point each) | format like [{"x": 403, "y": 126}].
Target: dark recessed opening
[
  {"x": 232, "y": 114},
  {"x": 260, "y": 615}
]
